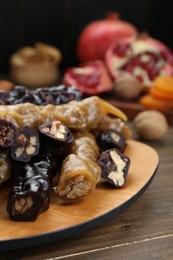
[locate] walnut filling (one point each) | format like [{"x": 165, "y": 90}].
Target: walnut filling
[
  {"x": 117, "y": 176},
  {"x": 115, "y": 137},
  {"x": 21, "y": 205},
  {"x": 30, "y": 150},
  {"x": 56, "y": 129},
  {"x": 19, "y": 151},
  {"x": 59, "y": 132},
  {"x": 5, "y": 133},
  {"x": 29, "y": 145},
  {"x": 77, "y": 188}
]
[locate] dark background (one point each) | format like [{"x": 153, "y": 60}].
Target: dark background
[{"x": 59, "y": 22}]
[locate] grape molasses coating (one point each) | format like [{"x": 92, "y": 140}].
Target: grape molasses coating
[
  {"x": 111, "y": 139},
  {"x": 57, "y": 136},
  {"x": 56, "y": 95},
  {"x": 26, "y": 144},
  {"x": 29, "y": 196},
  {"x": 114, "y": 166}
]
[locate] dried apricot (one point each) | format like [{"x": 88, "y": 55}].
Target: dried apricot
[
  {"x": 160, "y": 94},
  {"x": 164, "y": 83},
  {"x": 151, "y": 102}
]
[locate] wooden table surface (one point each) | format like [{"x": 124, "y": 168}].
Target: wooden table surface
[{"x": 142, "y": 231}]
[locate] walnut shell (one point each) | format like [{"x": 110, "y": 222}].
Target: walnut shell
[
  {"x": 127, "y": 87},
  {"x": 151, "y": 124}
]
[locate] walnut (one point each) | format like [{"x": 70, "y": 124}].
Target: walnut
[
  {"x": 151, "y": 124},
  {"x": 127, "y": 87},
  {"x": 23, "y": 204}
]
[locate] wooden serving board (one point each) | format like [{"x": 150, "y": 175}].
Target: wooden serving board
[
  {"x": 62, "y": 221},
  {"x": 131, "y": 109}
]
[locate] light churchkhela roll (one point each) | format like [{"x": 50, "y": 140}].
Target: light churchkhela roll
[
  {"x": 80, "y": 172},
  {"x": 82, "y": 115}
]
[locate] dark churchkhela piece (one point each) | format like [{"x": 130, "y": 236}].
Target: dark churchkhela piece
[
  {"x": 7, "y": 133},
  {"x": 114, "y": 166},
  {"x": 56, "y": 95},
  {"x": 56, "y": 136},
  {"x": 29, "y": 195},
  {"x": 19, "y": 95},
  {"x": 26, "y": 144},
  {"x": 111, "y": 139}
]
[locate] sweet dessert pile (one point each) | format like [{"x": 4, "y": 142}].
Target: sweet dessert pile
[
  {"x": 65, "y": 139},
  {"x": 78, "y": 144}
]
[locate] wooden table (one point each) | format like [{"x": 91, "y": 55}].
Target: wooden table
[{"x": 143, "y": 231}]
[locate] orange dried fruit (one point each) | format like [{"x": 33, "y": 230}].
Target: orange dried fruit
[
  {"x": 160, "y": 94},
  {"x": 164, "y": 83},
  {"x": 151, "y": 102}
]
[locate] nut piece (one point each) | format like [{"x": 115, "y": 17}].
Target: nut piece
[
  {"x": 26, "y": 144},
  {"x": 7, "y": 133},
  {"x": 151, "y": 124},
  {"x": 57, "y": 137},
  {"x": 5, "y": 169},
  {"x": 21, "y": 205},
  {"x": 127, "y": 87},
  {"x": 114, "y": 166}
]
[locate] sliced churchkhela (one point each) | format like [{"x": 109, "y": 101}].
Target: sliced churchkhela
[
  {"x": 111, "y": 139},
  {"x": 80, "y": 172},
  {"x": 77, "y": 115},
  {"x": 26, "y": 144},
  {"x": 29, "y": 195},
  {"x": 7, "y": 133},
  {"x": 114, "y": 167},
  {"x": 56, "y": 137}
]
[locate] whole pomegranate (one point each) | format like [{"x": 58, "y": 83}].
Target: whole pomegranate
[
  {"x": 144, "y": 58},
  {"x": 90, "y": 78},
  {"x": 97, "y": 36}
]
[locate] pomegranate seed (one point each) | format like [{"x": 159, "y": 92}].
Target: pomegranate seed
[
  {"x": 87, "y": 77},
  {"x": 122, "y": 50}
]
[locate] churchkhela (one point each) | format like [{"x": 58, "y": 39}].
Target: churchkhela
[
  {"x": 56, "y": 137},
  {"x": 29, "y": 195},
  {"x": 80, "y": 172},
  {"x": 47, "y": 141},
  {"x": 7, "y": 135},
  {"x": 85, "y": 114}
]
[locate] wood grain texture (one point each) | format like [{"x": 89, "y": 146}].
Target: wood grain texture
[{"x": 96, "y": 208}]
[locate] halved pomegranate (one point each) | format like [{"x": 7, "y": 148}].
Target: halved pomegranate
[
  {"x": 90, "y": 78},
  {"x": 144, "y": 58}
]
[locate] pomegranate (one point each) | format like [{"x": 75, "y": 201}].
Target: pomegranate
[
  {"x": 90, "y": 78},
  {"x": 97, "y": 36},
  {"x": 143, "y": 57}
]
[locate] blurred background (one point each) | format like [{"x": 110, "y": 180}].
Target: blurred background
[{"x": 59, "y": 23}]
